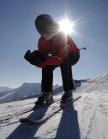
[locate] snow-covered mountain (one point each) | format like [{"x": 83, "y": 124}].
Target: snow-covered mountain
[
  {"x": 25, "y": 91},
  {"x": 5, "y": 89},
  {"x": 87, "y": 118}
]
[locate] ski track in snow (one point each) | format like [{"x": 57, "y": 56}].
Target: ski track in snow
[
  {"x": 86, "y": 119},
  {"x": 92, "y": 117},
  {"x": 14, "y": 109},
  {"x": 91, "y": 103},
  {"x": 93, "y": 108}
]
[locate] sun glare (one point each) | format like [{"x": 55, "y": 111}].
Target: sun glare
[{"x": 66, "y": 26}]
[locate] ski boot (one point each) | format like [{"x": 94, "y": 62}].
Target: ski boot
[
  {"x": 67, "y": 96},
  {"x": 45, "y": 97}
]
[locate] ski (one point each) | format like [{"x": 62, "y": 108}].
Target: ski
[
  {"x": 2, "y": 120},
  {"x": 39, "y": 121}
]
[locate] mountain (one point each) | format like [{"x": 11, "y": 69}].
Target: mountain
[
  {"x": 5, "y": 89},
  {"x": 32, "y": 90},
  {"x": 87, "y": 118},
  {"x": 25, "y": 91}
]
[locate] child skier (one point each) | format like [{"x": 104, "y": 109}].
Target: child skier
[{"x": 55, "y": 49}]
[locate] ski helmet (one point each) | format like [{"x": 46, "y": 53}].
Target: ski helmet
[{"x": 45, "y": 24}]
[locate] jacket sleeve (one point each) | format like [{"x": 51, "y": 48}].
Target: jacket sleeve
[{"x": 50, "y": 61}]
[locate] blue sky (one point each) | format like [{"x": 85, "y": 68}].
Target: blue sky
[{"x": 18, "y": 34}]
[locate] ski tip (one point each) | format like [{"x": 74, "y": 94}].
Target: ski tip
[
  {"x": 21, "y": 120},
  {"x": 30, "y": 121}
]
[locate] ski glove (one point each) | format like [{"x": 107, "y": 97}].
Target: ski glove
[
  {"x": 35, "y": 57},
  {"x": 39, "y": 56}
]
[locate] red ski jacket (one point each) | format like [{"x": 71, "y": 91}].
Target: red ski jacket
[{"x": 57, "y": 49}]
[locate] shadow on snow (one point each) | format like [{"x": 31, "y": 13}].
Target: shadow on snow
[
  {"x": 27, "y": 131},
  {"x": 68, "y": 127}
]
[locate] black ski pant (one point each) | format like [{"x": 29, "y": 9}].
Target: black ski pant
[{"x": 66, "y": 72}]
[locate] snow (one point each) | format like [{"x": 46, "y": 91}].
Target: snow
[{"x": 87, "y": 118}]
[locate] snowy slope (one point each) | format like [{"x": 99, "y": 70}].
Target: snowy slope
[
  {"x": 87, "y": 118},
  {"x": 4, "y": 96}
]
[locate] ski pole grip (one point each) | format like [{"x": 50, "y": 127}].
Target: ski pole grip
[{"x": 84, "y": 48}]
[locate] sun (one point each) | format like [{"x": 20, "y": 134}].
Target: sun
[{"x": 66, "y": 26}]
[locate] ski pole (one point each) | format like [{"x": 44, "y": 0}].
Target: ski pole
[{"x": 84, "y": 48}]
